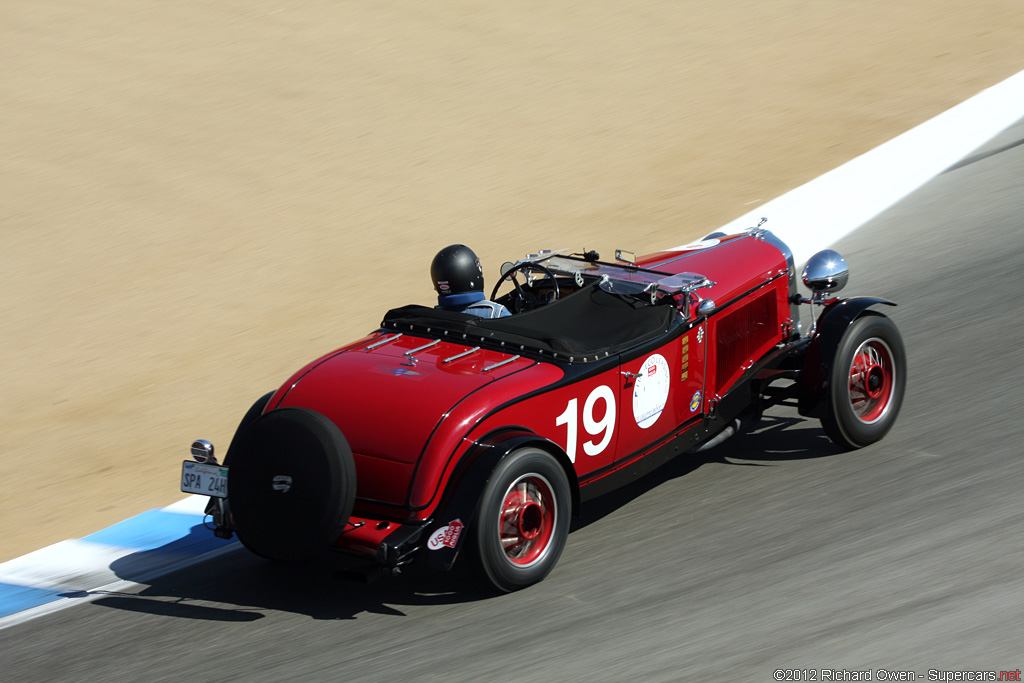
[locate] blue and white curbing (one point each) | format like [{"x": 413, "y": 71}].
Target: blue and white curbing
[
  {"x": 809, "y": 218},
  {"x": 134, "y": 551}
]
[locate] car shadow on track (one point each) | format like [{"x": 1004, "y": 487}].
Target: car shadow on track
[
  {"x": 776, "y": 439},
  {"x": 240, "y": 587}
]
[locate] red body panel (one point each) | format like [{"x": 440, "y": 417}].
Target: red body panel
[
  {"x": 449, "y": 441},
  {"x": 388, "y": 405},
  {"x": 557, "y": 415}
]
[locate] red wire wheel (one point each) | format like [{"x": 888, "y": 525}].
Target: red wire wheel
[
  {"x": 522, "y": 520},
  {"x": 872, "y": 378},
  {"x": 866, "y": 383},
  {"x": 527, "y": 520}
]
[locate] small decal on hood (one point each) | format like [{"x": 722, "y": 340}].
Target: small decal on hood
[
  {"x": 401, "y": 371},
  {"x": 446, "y": 536}
]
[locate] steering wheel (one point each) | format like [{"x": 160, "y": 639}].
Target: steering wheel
[{"x": 520, "y": 299}]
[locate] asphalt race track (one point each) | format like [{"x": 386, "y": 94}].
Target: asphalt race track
[{"x": 775, "y": 552}]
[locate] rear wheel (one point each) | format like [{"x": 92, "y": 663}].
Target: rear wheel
[
  {"x": 522, "y": 520},
  {"x": 867, "y": 383},
  {"x": 291, "y": 484}
]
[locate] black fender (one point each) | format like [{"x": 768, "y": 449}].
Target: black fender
[
  {"x": 462, "y": 494},
  {"x": 821, "y": 351}
]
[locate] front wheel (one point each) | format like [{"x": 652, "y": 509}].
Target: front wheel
[
  {"x": 522, "y": 520},
  {"x": 866, "y": 384}
]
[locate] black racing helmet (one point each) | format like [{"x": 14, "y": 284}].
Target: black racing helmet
[{"x": 456, "y": 270}]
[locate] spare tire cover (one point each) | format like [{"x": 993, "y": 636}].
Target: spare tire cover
[{"x": 291, "y": 484}]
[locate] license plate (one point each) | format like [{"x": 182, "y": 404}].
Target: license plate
[{"x": 206, "y": 480}]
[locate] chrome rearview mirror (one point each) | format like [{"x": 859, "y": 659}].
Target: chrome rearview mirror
[
  {"x": 506, "y": 266},
  {"x": 826, "y": 271}
]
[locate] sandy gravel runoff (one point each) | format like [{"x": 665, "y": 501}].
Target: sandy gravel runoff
[{"x": 196, "y": 198}]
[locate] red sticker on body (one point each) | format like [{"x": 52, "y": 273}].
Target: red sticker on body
[{"x": 446, "y": 536}]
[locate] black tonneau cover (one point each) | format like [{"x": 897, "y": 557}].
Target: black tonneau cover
[{"x": 583, "y": 327}]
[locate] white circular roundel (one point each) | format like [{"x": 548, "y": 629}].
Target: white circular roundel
[{"x": 650, "y": 391}]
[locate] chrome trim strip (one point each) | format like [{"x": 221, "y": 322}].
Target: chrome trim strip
[
  {"x": 421, "y": 348},
  {"x": 460, "y": 355},
  {"x": 382, "y": 342},
  {"x": 499, "y": 364}
]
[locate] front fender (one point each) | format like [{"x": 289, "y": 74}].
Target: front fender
[
  {"x": 821, "y": 352},
  {"x": 463, "y": 491}
]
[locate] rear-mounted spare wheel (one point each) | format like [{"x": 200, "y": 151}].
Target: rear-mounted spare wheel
[{"x": 292, "y": 482}]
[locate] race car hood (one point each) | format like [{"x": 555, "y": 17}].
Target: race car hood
[
  {"x": 734, "y": 264},
  {"x": 390, "y": 393}
]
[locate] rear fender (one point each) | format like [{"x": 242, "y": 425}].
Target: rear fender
[
  {"x": 821, "y": 352},
  {"x": 445, "y": 534}
]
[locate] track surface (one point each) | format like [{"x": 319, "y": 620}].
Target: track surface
[{"x": 775, "y": 552}]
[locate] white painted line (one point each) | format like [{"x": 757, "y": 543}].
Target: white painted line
[
  {"x": 64, "y": 566},
  {"x": 819, "y": 213}
]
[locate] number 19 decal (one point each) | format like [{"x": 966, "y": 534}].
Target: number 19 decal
[{"x": 593, "y": 427}]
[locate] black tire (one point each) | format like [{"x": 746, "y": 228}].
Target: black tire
[
  {"x": 216, "y": 506},
  {"x": 255, "y": 410},
  {"x": 522, "y": 521},
  {"x": 866, "y": 383},
  {"x": 291, "y": 484}
]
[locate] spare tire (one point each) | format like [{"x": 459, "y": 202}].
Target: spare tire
[
  {"x": 255, "y": 410},
  {"x": 291, "y": 484}
]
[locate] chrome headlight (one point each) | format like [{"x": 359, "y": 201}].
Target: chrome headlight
[{"x": 826, "y": 271}]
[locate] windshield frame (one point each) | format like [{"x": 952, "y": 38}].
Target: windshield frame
[{"x": 619, "y": 278}]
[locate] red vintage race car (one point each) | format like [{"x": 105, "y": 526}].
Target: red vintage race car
[{"x": 442, "y": 435}]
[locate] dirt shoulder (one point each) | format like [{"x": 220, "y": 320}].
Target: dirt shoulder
[{"x": 198, "y": 198}]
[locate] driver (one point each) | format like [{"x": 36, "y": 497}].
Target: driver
[{"x": 459, "y": 280}]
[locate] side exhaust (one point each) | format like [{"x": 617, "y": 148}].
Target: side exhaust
[{"x": 745, "y": 421}]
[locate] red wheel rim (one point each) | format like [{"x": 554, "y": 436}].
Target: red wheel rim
[
  {"x": 872, "y": 378},
  {"x": 527, "y": 520}
]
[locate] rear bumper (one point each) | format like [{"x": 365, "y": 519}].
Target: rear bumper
[{"x": 389, "y": 543}]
